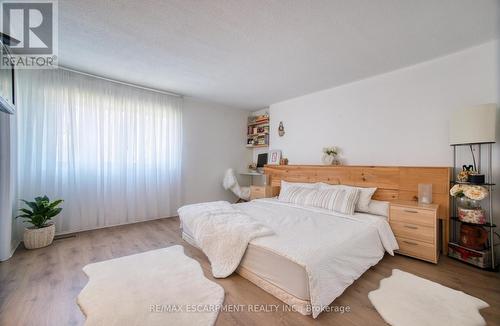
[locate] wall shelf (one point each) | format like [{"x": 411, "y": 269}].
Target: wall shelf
[
  {"x": 486, "y": 225},
  {"x": 263, "y": 122},
  {"x": 258, "y": 134},
  {"x": 258, "y": 131},
  {"x": 472, "y": 184}
]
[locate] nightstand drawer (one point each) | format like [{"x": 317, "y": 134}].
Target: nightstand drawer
[
  {"x": 257, "y": 192},
  {"x": 263, "y": 191},
  {"x": 418, "y": 249},
  {"x": 413, "y": 231},
  {"x": 413, "y": 215}
]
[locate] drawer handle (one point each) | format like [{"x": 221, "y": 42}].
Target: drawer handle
[
  {"x": 410, "y": 211},
  {"x": 410, "y": 243},
  {"x": 411, "y": 227}
]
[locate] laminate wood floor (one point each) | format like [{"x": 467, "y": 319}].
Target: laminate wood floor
[{"x": 40, "y": 287}]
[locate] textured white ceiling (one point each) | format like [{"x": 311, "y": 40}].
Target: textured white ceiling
[{"x": 252, "y": 53}]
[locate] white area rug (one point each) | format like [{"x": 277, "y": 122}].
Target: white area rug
[
  {"x": 406, "y": 300},
  {"x": 158, "y": 287}
]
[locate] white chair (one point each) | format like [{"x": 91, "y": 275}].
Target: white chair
[{"x": 231, "y": 183}]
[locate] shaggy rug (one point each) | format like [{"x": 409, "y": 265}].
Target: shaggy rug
[
  {"x": 405, "y": 299},
  {"x": 158, "y": 287}
]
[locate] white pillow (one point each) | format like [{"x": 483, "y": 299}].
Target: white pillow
[
  {"x": 365, "y": 195},
  {"x": 341, "y": 200},
  {"x": 298, "y": 195},
  {"x": 378, "y": 207},
  {"x": 285, "y": 185}
]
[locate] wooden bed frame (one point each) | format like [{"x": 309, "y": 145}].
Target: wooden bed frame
[{"x": 393, "y": 183}]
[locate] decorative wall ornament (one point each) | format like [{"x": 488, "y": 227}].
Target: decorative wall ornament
[
  {"x": 330, "y": 156},
  {"x": 281, "y": 129}
]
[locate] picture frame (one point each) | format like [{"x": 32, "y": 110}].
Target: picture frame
[{"x": 274, "y": 157}]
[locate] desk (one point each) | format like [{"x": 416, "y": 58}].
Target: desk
[{"x": 253, "y": 174}]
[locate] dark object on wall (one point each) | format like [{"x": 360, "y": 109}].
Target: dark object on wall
[
  {"x": 473, "y": 237},
  {"x": 261, "y": 160}
]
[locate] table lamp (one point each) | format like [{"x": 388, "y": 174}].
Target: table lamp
[{"x": 471, "y": 126}]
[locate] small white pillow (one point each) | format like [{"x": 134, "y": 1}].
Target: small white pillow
[
  {"x": 298, "y": 195},
  {"x": 377, "y": 207},
  {"x": 365, "y": 195},
  {"x": 340, "y": 200}
]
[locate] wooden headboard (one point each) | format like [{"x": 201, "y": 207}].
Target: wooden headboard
[{"x": 393, "y": 182}]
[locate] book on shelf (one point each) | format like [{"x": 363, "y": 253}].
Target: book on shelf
[{"x": 258, "y": 119}]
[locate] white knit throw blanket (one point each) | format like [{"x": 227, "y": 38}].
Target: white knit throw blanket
[{"x": 222, "y": 232}]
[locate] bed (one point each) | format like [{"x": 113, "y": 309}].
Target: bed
[
  {"x": 311, "y": 255},
  {"x": 346, "y": 245}
]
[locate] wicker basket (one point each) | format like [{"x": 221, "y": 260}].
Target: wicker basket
[{"x": 39, "y": 238}]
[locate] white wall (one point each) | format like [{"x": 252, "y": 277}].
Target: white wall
[
  {"x": 214, "y": 140},
  {"x": 398, "y": 118}
]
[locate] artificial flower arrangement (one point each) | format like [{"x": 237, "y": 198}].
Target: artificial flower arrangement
[
  {"x": 469, "y": 208},
  {"x": 330, "y": 155}
]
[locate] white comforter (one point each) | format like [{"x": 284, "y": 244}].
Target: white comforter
[
  {"x": 222, "y": 232},
  {"x": 334, "y": 249}
]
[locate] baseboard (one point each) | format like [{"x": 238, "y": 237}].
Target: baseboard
[
  {"x": 84, "y": 230},
  {"x": 111, "y": 226}
]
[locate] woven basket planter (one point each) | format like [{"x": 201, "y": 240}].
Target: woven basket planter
[{"x": 39, "y": 238}]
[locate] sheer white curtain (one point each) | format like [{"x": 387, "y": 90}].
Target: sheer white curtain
[
  {"x": 8, "y": 229},
  {"x": 112, "y": 152}
]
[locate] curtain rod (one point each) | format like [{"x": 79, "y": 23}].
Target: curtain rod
[{"x": 121, "y": 82}]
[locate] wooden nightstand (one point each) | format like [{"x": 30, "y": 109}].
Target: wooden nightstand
[
  {"x": 263, "y": 192},
  {"x": 416, "y": 229}
]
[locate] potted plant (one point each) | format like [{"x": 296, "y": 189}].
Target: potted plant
[{"x": 39, "y": 215}]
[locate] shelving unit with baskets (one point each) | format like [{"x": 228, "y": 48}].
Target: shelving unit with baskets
[
  {"x": 258, "y": 131},
  {"x": 464, "y": 232}
]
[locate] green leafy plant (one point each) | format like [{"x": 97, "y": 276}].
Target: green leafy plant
[{"x": 42, "y": 211}]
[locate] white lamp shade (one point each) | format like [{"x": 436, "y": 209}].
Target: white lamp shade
[{"x": 476, "y": 125}]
